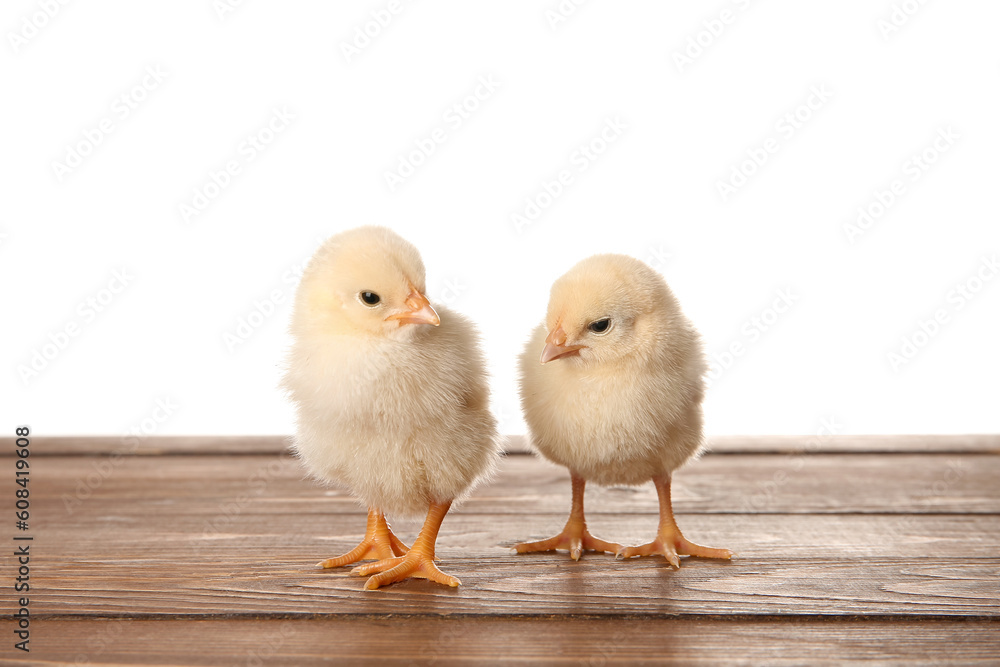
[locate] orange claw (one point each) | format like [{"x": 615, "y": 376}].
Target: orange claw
[
  {"x": 669, "y": 541},
  {"x": 378, "y": 543},
  {"x": 574, "y": 537},
  {"x": 418, "y": 562}
]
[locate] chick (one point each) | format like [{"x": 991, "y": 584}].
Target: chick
[
  {"x": 391, "y": 396},
  {"x": 616, "y": 394}
]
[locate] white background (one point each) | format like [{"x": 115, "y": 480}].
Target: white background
[{"x": 653, "y": 192}]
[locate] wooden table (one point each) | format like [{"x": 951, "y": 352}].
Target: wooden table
[{"x": 202, "y": 551}]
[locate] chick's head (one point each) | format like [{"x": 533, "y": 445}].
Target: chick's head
[
  {"x": 367, "y": 280},
  {"x": 607, "y": 308}
]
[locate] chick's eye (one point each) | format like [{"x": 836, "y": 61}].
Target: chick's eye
[
  {"x": 370, "y": 298},
  {"x": 600, "y": 326}
]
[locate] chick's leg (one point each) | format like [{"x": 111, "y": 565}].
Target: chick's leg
[
  {"x": 669, "y": 541},
  {"x": 379, "y": 543},
  {"x": 417, "y": 562},
  {"x": 574, "y": 537}
]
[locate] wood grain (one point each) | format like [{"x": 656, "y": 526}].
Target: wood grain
[
  {"x": 203, "y": 551},
  {"x": 189, "y": 540},
  {"x": 156, "y": 537},
  {"x": 273, "y": 583},
  {"x": 855, "y": 444},
  {"x": 55, "y": 445},
  {"x": 745, "y": 484},
  {"x": 519, "y": 640}
]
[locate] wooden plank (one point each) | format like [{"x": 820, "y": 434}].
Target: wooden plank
[
  {"x": 153, "y": 445},
  {"x": 180, "y": 535},
  {"x": 858, "y": 444},
  {"x": 827, "y": 484},
  {"x": 720, "y": 444},
  {"x": 240, "y": 534},
  {"x": 131, "y": 563},
  {"x": 506, "y": 585},
  {"x": 191, "y": 539},
  {"x": 500, "y": 641}
]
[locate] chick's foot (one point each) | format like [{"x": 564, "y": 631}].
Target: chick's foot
[
  {"x": 669, "y": 541},
  {"x": 379, "y": 543},
  {"x": 418, "y": 562},
  {"x": 671, "y": 545},
  {"x": 415, "y": 564},
  {"x": 574, "y": 537}
]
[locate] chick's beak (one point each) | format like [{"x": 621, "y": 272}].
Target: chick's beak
[
  {"x": 420, "y": 311},
  {"x": 556, "y": 347}
]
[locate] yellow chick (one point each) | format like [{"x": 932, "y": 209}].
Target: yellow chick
[
  {"x": 391, "y": 396},
  {"x": 611, "y": 388}
]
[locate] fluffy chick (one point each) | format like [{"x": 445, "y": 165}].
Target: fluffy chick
[
  {"x": 611, "y": 388},
  {"x": 391, "y": 395}
]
